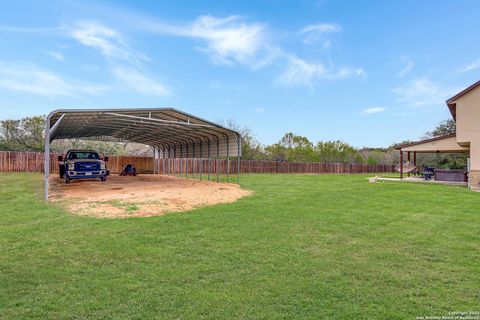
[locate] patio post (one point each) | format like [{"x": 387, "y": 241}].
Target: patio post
[
  {"x": 401, "y": 164},
  {"x": 415, "y": 160},
  {"x": 408, "y": 159}
]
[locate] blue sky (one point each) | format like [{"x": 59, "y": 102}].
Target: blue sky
[{"x": 368, "y": 72}]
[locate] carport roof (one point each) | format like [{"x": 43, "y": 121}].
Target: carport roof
[{"x": 158, "y": 127}]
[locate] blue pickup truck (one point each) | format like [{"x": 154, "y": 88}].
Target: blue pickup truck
[{"x": 82, "y": 164}]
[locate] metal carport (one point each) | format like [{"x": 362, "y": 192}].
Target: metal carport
[{"x": 172, "y": 133}]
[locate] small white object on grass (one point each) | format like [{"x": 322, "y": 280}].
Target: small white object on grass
[{"x": 373, "y": 179}]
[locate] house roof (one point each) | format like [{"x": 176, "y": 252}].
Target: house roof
[{"x": 452, "y": 106}]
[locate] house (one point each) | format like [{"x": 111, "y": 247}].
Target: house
[{"x": 465, "y": 110}]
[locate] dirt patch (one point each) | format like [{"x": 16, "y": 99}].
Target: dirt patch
[{"x": 140, "y": 196}]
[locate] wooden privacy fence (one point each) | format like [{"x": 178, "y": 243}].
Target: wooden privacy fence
[
  {"x": 258, "y": 166},
  {"x": 197, "y": 166},
  {"x": 33, "y": 162}
]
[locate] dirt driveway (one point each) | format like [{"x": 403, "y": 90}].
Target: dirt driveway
[{"x": 140, "y": 196}]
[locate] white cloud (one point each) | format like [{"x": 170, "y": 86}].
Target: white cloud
[
  {"x": 317, "y": 33},
  {"x": 56, "y": 55},
  {"x": 373, "y": 110},
  {"x": 228, "y": 40},
  {"x": 140, "y": 82},
  {"x": 259, "y": 110},
  {"x": 421, "y": 92},
  {"x": 302, "y": 73},
  {"x": 125, "y": 62},
  {"x": 33, "y": 80},
  {"x": 322, "y": 28},
  {"x": 231, "y": 40},
  {"x": 408, "y": 67},
  {"x": 110, "y": 43},
  {"x": 472, "y": 66}
]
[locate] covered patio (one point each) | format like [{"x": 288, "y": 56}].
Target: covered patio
[{"x": 441, "y": 144}]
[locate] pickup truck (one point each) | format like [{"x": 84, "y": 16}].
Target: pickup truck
[{"x": 82, "y": 164}]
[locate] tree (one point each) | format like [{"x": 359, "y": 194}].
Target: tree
[
  {"x": 375, "y": 157},
  {"x": 276, "y": 152},
  {"x": 251, "y": 148},
  {"x": 23, "y": 134},
  {"x": 443, "y": 128},
  {"x": 337, "y": 151},
  {"x": 292, "y": 147}
]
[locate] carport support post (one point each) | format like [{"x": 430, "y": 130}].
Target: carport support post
[
  {"x": 46, "y": 155},
  {"x": 228, "y": 158},
  {"x": 218, "y": 156},
  {"x": 181, "y": 159},
  {"x": 201, "y": 160},
  {"x": 186, "y": 165},
  {"x": 193, "y": 162},
  {"x": 157, "y": 160},
  {"x": 168, "y": 161},
  {"x": 174, "y": 158},
  {"x": 154, "y": 158},
  {"x": 209, "y": 162},
  {"x": 163, "y": 160},
  {"x": 401, "y": 164}
]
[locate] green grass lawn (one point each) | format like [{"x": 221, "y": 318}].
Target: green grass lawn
[{"x": 303, "y": 246}]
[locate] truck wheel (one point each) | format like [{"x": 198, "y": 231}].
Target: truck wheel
[
  {"x": 103, "y": 179},
  {"x": 67, "y": 180}
]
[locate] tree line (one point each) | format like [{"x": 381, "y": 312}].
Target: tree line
[
  {"x": 296, "y": 148},
  {"x": 27, "y": 135}
]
